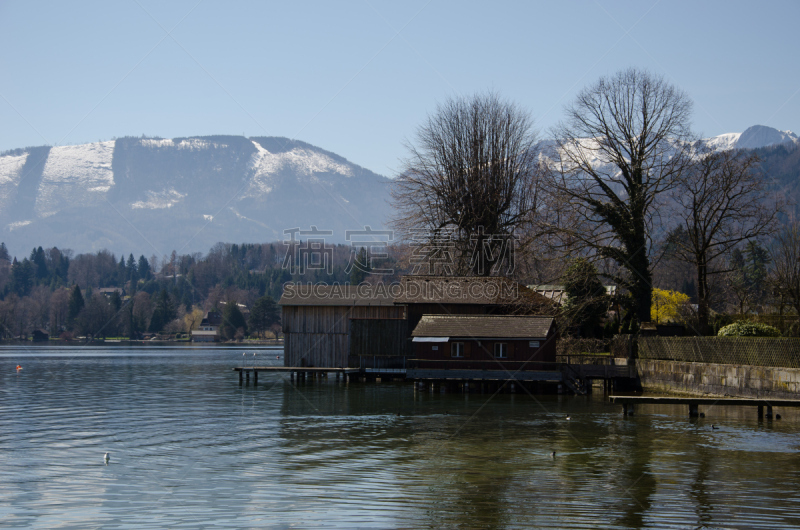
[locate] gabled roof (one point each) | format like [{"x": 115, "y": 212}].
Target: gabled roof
[
  {"x": 460, "y": 290},
  {"x": 483, "y": 326},
  {"x": 558, "y": 294},
  {"x": 470, "y": 290},
  {"x": 296, "y": 294}
]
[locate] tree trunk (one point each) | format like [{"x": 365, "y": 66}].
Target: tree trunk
[{"x": 702, "y": 295}]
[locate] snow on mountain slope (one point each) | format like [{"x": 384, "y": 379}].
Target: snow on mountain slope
[
  {"x": 762, "y": 136},
  {"x": 75, "y": 175},
  {"x": 723, "y": 142},
  {"x": 187, "y": 143},
  {"x": 158, "y": 200},
  {"x": 300, "y": 161},
  {"x": 10, "y": 175}
]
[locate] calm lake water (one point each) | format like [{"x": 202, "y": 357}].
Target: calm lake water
[{"x": 190, "y": 448}]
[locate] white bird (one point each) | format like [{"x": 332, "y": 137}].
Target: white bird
[
  {"x": 553, "y": 454},
  {"x": 106, "y": 458},
  {"x": 568, "y": 418}
]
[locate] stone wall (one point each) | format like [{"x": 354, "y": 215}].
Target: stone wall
[{"x": 719, "y": 379}]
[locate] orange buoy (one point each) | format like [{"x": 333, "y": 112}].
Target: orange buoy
[{"x": 19, "y": 367}]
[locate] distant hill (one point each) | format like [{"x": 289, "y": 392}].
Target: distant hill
[
  {"x": 152, "y": 195},
  {"x": 754, "y": 137}
]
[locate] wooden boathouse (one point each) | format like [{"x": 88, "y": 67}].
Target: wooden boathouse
[
  {"x": 429, "y": 328},
  {"x": 319, "y": 322},
  {"x": 369, "y": 326}
]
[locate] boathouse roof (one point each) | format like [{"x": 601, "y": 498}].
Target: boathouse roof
[
  {"x": 484, "y": 326},
  {"x": 460, "y": 290},
  {"x": 298, "y": 294}
]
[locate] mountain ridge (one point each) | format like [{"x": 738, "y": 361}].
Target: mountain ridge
[{"x": 153, "y": 195}]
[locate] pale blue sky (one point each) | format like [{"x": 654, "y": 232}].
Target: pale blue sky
[{"x": 356, "y": 78}]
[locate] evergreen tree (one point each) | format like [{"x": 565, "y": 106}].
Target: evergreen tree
[
  {"x": 163, "y": 313},
  {"x": 144, "y": 268},
  {"x": 74, "y": 306},
  {"x": 22, "y": 277},
  {"x": 264, "y": 314},
  {"x": 232, "y": 321},
  {"x": 116, "y": 301},
  {"x": 39, "y": 264},
  {"x": 587, "y": 302},
  {"x": 4, "y": 252},
  {"x": 359, "y": 269}
]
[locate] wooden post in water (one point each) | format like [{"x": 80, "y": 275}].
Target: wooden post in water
[
  {"x": 241, "y": 378},
  {"x": 769, "y": 412},
  {"x": 693, "y": 413},
  {"x": 247, "y": 376},
  {"x": 255, "y": 377},
  {"x": 761, "y": 412}
]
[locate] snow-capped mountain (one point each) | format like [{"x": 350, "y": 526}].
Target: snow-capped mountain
[
  {"x": 152, "y": 195},
  {"x": 754, "y": 137}
]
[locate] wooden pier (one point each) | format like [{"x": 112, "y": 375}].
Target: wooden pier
[
  {"x": 629, "y": 403},
  {"x": 300, "y": 373}
]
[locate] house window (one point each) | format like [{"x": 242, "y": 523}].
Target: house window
[
  {"x": 457, "y": 349},
  {"x": 500, "y": 350},
  {"x": 434, "y": 348},
  {"x": 533, "y": 344}
]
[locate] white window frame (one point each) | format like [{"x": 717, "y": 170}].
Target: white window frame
[
  {"x": 457, "y": 350},
  {"x": 501, "y": 350}
]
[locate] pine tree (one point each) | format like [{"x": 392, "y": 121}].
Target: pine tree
[
  {"x": 265, "y": 313},
  {"x": 74, "y": 306},
  {"x": 163, "y": 313},
  {"x": 587, "y": 302},
  {"x": 232, "y": 321},
  {"x": 144, "y": 268}
]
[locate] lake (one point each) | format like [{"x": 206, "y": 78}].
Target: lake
[{"x": 190, "y": 448}]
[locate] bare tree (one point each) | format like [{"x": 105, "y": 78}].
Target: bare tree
[
  {"x": 720, "y": 202},
  {"x": 623, "y": 144},
  {"x": 785, "y": 271},
  {"x": 470, "y": 181}
]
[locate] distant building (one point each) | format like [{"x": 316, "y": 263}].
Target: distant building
[
  {"x": 208, "y": 331},
  {"x": 558, "y": 294},
  {"x": 39, "y": 335},
  {"x": 109, "y": 291}
]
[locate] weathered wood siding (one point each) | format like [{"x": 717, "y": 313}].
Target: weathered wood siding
[
  {"x": 320, "y": 335},
  {"x": 371, "y": 337}
]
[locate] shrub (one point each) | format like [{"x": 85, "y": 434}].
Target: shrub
[{"x": 748, "y": 328}]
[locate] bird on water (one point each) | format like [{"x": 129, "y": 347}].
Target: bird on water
[
  {"x": 714, "y": 427},
  {"x": 106, "y": 458},
  {"x": 569, "y": 418},
  {"x": 553, "y": 454}
]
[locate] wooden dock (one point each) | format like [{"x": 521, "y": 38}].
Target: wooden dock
[
  {"x": 629, "y": 403},
  {"x": 299, "y": 372}
]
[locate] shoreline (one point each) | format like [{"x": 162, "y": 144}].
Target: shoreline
[{"x": 59, "y": 343}]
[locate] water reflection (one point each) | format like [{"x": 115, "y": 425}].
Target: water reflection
[{"x": 196, "y": 448}]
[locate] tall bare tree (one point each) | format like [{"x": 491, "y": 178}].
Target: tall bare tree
[
  {"x": 622, "y": 145},
  {"x": 721, "y": 202},
  {"x": 469, "y": 182},
  {"x": 785, "y": 271}
]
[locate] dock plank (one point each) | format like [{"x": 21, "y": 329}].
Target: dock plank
[
  {"x": 719, "y": 401},
  {"x": 316, "y": 369}
]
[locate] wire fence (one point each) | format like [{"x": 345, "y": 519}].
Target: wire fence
[
  {"x": 753, "y": 351},
  {"x": 592, "y": 351}
]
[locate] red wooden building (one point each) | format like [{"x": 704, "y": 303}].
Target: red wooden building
[{"x": 502, "y": 343}]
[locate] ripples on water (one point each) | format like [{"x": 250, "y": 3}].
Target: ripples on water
[{"x": 191, "y": 448}]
